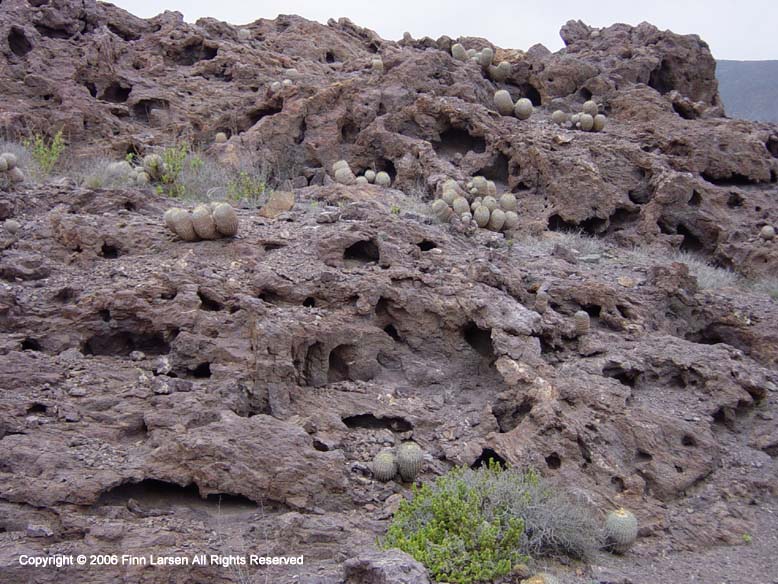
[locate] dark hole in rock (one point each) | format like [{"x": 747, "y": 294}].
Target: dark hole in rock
[
  {"x": 735, "y": 200},
  {"x": 509, "y": 415},
  {"x": 586, "y": 452},
  {"x": 592, "y": 310},
  {"x": 30, "y": 344},
  {"x": 708, "y": 335},
  {"x": 665, "y": 227},
  {"x": 392, "y": 332},
  {"x": 314, "y": 370},
  {"x": 479, "y": 339},
  {"x": 618, "y": 483},
  {"x": 592, "y": 225},
  {"x": 388, "y": 361},
  {"x": 108, "y": 251},
  {"x": 487, "y": 457},
  {"x": 122, "y": 33},
  {"x": 116, "y": 93},
  {"x": 195, "y": 50},
  {"x": 151, "y": 494},
  {"x": 270, "y": 296},
  {"x": 690, "y": 241},
  {"x": 36, "y": 3},
  {"x": 329, "y": 57},
  {"x": 531, "y": 93},
  {"x": 255, "y": 115},
  {"x": 734, "y": 180},
  {"x": 387, "y": 166},
  {"x": 457, "y": 141},
  {"x": 169, "y": 295},
  {"x": 129, "y": 206},
  {"x": 661, "y": 78},
  {"x": 639, "y": 196},
  {"x": 142, "y": 109},
  {"x": 688, "y": 440},
  {"x": 772, "y": 146},
  {"x": 365, "y": 251},
  {"x": 52, "y": 33},
  {"x": 695, "y": 199},
  {"x": 553, "y": 461},
  {"x": 18, "y": 42},
  {"x": 273, "y": 246},
  {"x": 371, "y": 422},
  {"x": 124, "y": 342},
  {"x": 37, "y": 408},
  {"x": 684, "y": 110},
  {"x": 91, "y": 88},
  {"x": 320, "y": 446},
  {"x": 678, "y": 469},
  {"x": 309, "y": 302},
  {"x": 628, "y": 377},
  {"x": 349, "y": 132},
  {"x": 585, "y": 94},
  {"x": 426, "y": 245},
  {"x": 201, "y": 371},
  {"x": 301, "y": 133},
  {"x": 643, "y": 456},
  {"x": 104, "y": 314},
  {"x": 208, "y": 303},
  {"x": 497, "y": 171},
  {"x": 65, "y": 295},
  {"x": 340, "y": 360}
]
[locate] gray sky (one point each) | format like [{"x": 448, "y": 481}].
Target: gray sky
[{"x": 734, "y": 30}]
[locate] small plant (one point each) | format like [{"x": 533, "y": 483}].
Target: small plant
[
  {"x": 45, "y": 152},
  {"x": 246, "y": 187},
  {"x": 394, "y": 210},
  {"x": 747, "y": 539},
  {"x": 173, "y": 159}
]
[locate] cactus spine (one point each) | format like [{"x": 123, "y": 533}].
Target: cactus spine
[
  {"x": 582, "y": 323},
  {"x": 410, "y": 458},
  {"x": 621, "y": 530},
  {"x": 384, "y": 466}
]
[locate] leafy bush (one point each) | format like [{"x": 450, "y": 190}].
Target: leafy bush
[
  {"x": 45, "y": 152},
  {"x": 174, "y": 158},
  {"x": 474, "y": 525},
  {"x": 456, "y": 531}
]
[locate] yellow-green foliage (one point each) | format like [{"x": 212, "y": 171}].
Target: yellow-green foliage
[
  {"x": 246, "y": 187},
  {"x": 454, "y": 529},
  {"x": 46, "y": 152},
  {"x": 173, "y": 159}
]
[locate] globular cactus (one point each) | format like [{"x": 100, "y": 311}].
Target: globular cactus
[
  {"x": 586, "y": 121},
  {"x": 523, "y": 108},
  {"x": 575, "y": 118},
  {"x": 244, "y": 34},
  {"x": 471, "y": 53},
  {"x": 7, "y": 161},
  {"x": 15, "y": 175},
  {"x": 275, "y": 87},
  {"x": 287, "y": 83},
  {"x": 490, "y": 203},
  {"x": 169, "y": 218},
  {"x": 599, "y": 123},
  {"x": 491, "y": 188},
  {"x": 511, "y": 220},
  {"x": 410, "y": 458},
  {"x": 343, "y": 174},
  {"x": 181, "y": 222},
  {"x": 12, "y": 226},
  {"x": 220, "y": 138},
  {"x": 767, "y": 232},
  {"x": 582, "y": 323},
  {"x": 478, "y": 185},
  {"x": 441, "y": 210},
  {"x": 361, "y": 180},
  {"x": 226, "y": 219},
  {"x": 466, "y": 217},
  {"x": 370, "y": 175},
  {"x": 500, "y": 72},
  {"x": 475, "y": 204},
  {"x": 541, "y": 302},
  {"x": 384, "y": 466},
  {"x": 291, "y": 73},
  {"x": 559, "y": 117},
  {"x": 503, "y": 102},
  {"x": 621, "y": 530},
  {"x": 460, "y": 205},
  {"x": 590, "y": 107},
  {"x": 485, "y": 57},
  {"x": 497, "y": 220},
  {"x": 382, "y": 179},
  {"x": 508, "y": 202},
  {"x": 377, "y": 65},
  {"x": 339, "y": 164},
  {"x": 119, "y": 170},
  {"x": 142, "y": 178},
  {"x": 203, "y": 222},
  {"x": 482, "y": 214},
  {"x": 154, "y": 166},
  {"x": 458, "y": 52}
]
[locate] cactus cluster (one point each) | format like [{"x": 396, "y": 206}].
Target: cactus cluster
[
  {"x": 503, "y": 101},
  {"x": 477, "y": 203},
  {"x": 484, "y": 58},
  {"x": 123, "y": 171},
  {"x": 345, "y": 176},
  {"x": 9, "y": 171},
  {"x": 406, "y": 462},
  {"x": 206, "y": 221},
  {"x": 621, "y": 530},
  {"x": 588, "y": 120},
  {"x": 377, "y": 65},
  {"x": 220, "y": 138}
]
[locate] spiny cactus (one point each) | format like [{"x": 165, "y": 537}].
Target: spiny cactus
[
  {"x": 599, "y": 122},
  {"x": 490, "y": 203},
  {"x": 541, "y": 302},
  {"x": 582, "y": 323},
  {"x": 244, "y": 34},
  {"x": 361, "y": 180},
  {"x": 559, "y": 117},
  {"x": 586, "y": 122},
  {"x": 377, "y": 65},
  {"x": 523, "y": 108},
  {"x": 275, "y": 87},
  {"x": 485, "y": 57},
  {"x": 203, "y": 223},
  {"x": 15, "y": 175},
  {"x": 9, "y": 169},
  {"x": 370, "y": 175},
  {"x": 410, "y": 458},
  {"x": 471, "y": 53},
  {"x": 497, "y": 220},
  {"x": 482, "y": 214},
  {"x": 441, "y": 210},
  {"x": 169, "y": 218},
  {"x": 508, "y": 202},
  {"x": 226, "y": 219},
  {"x": 342, "y": 173},
  {"x": 382, "y": 179},
  {"x": 460, "y": 205},
  {"x": 767, "y": 232},
  {"x": 181, "y": 223},
  {"x": 384, "y": 466},
  {"x": 475, "y": 204},
  {"x": 458, "y": 52},
  {"x": 590, "y": 107},
  {"x": 220, "y": 138},
  {"x": 287, "y": 83},
  {"x": 574, "y": 119},
  {"x": 621, "y": 530},
  {"x": 500, "y": 72},
  {"x": 339, "y": 164},
  {"x": 511, "y": 220},
  {"x": 142, "y": 178},
  {"x": 154, "y": 166},
  {"x": 503, "y": 102},
  {"x": 291, "y": 73}
]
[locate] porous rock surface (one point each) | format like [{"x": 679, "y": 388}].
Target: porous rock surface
[{"x": 226, "y": 396}]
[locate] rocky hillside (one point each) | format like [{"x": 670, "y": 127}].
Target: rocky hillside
[
  {"x": 749, "y": 89},
  {"x": 226, "y": 397}
]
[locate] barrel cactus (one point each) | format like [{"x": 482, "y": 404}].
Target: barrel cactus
[
  {"x": 458, "y": 52},
  {"x": 541, "y": 578},
  {"x": 490, "y": 203},
  {"x": 12, "y": 226},
  {"x": 590, "y": 107},
  {"x": 485, "y": 57},
  {"x": 500, "y": 72},
  {"x": 767, "y": 232},
  {"x": 287, "y": 83},
  {"x": 482, "y": 214},
  {"x": 370, "y": 175},
  {"x": 559, "y": 117},
  {"x": 244, "y": 34},
  {"x": 361, "y": 180},
  {"x": 441, "y": 210},
  {"x": 410, "y": 458},
  {"x": 275, "y": 87},
  {"x": 503, "y": 102},
  {"x": 382, "y": 179},
  {"x": 226, "y": 219},
  {"x": 182, "y": 225},
  {"x": 582, "y": 323},
  {"x": 511, "y": 221},
  {"x": 384, "y": 466},
  {"x": 344, "y": 176},
  {"x": 508, "y": 202},
  {"x": 220, "y": 138},
  {"x": 203, "y": 222},
  {"x": 523, "y": 108},
  {"x": 621, "y": 530},
  {"x": 15, "y": 175},
  {"x": 599, "y": 122},
  {"x": 154, "y": 166},
  {"x": 496, "y": 220},
  {"x": 460, "y": 205},
  {"x": 586, "y": 121},
  {"x": 8, "y": 161},
  {"x": 377, "y": 65}
]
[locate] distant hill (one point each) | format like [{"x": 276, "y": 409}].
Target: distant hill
[{"x": 749, "y": 89}]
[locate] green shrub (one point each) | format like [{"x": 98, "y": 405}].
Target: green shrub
[
  {"x": 246, "y": 187},
  {"x": 45, "y": 152},
  {"x": 454, "y": 528},
  {"x": 174, "y": 158}
]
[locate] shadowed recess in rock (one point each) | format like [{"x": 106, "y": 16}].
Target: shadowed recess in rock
[{"x": 372, "y": 422}]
